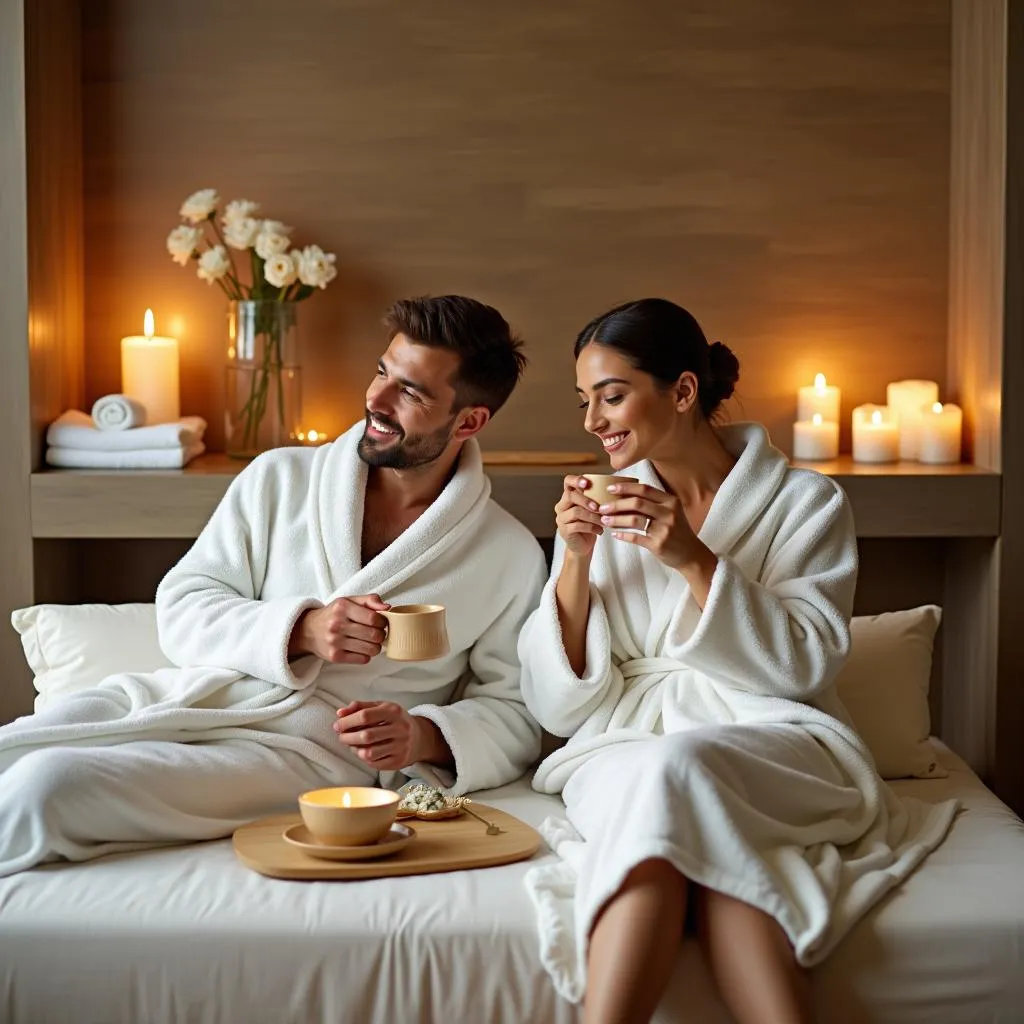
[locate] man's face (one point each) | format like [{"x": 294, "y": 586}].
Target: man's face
[{"x": 409, "y": 417}]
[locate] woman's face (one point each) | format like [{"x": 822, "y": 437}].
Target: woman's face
[{"x": 634, "y": 418}]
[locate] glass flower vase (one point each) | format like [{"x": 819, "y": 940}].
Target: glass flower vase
[{"x": 263, "y": 407}]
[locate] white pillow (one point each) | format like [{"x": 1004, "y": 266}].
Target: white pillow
[
  {"x": 74, "y": 647},
  {"x": 884, "y": 686}
]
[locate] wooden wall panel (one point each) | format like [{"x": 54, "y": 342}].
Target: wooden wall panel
[
  {"x": 780, "y": 167},
  {"x": 1009, "y": 759},
  {"x": 53, "y": 96},
  {"x": 977, "y": 221},
  {"x": 15, "y": 452}
]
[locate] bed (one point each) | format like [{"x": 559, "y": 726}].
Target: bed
[{"x": 189, "y": 934}]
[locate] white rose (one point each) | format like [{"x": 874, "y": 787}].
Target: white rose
[
  {"x": 316, "y": 268},
  {"x": 214, "y": 264},
  {"x": 182, "y": 242},
  {"x": 272, "y": 239},
  {"x": 241, "y": 233},
  {"x": 239, "y": 209},
  {"x": 200, "y": 205},
  {"x": 280, "y": 270}
]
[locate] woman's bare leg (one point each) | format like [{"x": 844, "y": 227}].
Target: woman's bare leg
[
  {"x": 752, "y": 962},
  {"x": 634, "y": 945}
]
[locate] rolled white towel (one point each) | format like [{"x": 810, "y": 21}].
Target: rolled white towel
[
  {"x": 75, "y": 429},
  {"x": 118, "y": 412}
]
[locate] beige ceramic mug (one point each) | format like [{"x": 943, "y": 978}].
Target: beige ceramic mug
[
  {"x": 416, "y": 632},
  {"x": 599, "y": 483}
]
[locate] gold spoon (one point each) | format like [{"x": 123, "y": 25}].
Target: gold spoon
[{"x": 492, "y": 829}]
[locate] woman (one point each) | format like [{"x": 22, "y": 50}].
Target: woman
[{"x": 687, "y": 643}]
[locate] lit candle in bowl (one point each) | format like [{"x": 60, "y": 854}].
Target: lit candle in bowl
[
  {"x": 348, "y": 815},
  {"x": 819, "y": 398},
  {"x": 817, "y": 440},
  {"x": 909, "y": 398},
  {"x": 876, "y": 436},
  {"x": 941, "y": 434},
  {"x": 149, "y": 373}
]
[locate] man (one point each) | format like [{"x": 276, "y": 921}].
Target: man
[{"x": 274, "y": 619}]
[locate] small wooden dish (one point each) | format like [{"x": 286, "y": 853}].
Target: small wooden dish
[
  {"x": 396, "y": 838},
  {"x": 442, "y": 815}
]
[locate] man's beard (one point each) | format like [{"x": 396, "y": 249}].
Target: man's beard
[{"x": 406, "y": 452}]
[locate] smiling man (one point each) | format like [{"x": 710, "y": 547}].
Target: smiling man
[{"x": 274, "y": 619}]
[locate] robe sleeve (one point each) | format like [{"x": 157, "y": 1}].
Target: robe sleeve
[
  {"x": 209, "y": 613},
  {"x": 492, "y": 735},
  {"x": 559, "y": 699},
  {"x": 788, "y": 633}
]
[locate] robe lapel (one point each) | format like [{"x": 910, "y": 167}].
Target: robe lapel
[
  {"x": 339, "y": 501},
  {"x": 745, "y": 493}
]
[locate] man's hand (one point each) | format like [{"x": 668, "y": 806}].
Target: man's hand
[
  {"x": 387, "y": 738},
  {"x": 348, "y": 631}
]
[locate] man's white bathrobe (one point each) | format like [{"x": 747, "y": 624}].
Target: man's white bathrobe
[
  {"x": 238, "y": 731},
  {"x": 714, "y": 739}
]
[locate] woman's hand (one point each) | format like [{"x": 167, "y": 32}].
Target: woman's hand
[
  {"x": 667, "y": 533},
  {"x": 577, "y": 518}
]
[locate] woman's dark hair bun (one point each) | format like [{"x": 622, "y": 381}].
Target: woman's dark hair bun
[
  {"x": 723, "y": 372},
  {"x": 665, "y": 340}
]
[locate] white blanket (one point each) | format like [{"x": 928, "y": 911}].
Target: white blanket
[
  {"x": 287, "y": 537},
  {"x": 715, "y": 738}
]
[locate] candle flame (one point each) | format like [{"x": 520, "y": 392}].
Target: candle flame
[
  {"x": 346, "y": 800},
  {"x": 876, "y": 416},
  {"x": 937, "y": 407},
  {"x": 816, "y": 419},
  {"x": 819, "y": 382},
  {"x": 313, "y": 435},
  {"x": 147, "y": 324}
]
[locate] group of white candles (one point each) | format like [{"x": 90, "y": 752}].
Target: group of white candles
[{"x": 912, "y": 425}]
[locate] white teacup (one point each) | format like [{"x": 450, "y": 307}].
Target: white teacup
[{"x": 416, "y": 632}]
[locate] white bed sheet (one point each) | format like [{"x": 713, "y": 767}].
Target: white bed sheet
[{"x": 190, "y": 935}]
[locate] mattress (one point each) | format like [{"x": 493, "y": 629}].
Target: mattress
[{"x": 187, "y": 934}]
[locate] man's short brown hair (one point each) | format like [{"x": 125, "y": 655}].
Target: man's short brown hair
[{"x": 491, "y": 360}]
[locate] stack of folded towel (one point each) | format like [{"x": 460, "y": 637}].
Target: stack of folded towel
[{"x": 115, "y": 437}]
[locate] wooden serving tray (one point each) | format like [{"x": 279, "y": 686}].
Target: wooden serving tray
[
  {"x": 539, "y": 458},
  {"x": 450, "y": 845}
]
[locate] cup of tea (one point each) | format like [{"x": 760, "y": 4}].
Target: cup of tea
[
  {"x": 416, "y": 632},
  {"x": 599, "y": 484}
]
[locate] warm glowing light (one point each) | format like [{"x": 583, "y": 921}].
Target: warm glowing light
[
  {"x": 313, "y": 435},
  {"x": 817, "y": 420},
  {"x": 876, "y": 416},
  {"x": 819, "y": 382},
  {"x": 937, "y": 407},
  {"x": 346, "y": 800},
  {"x": 147, "y": 324}
]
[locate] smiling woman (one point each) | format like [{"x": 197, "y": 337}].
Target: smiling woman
[{"x": 666, "y": 344}]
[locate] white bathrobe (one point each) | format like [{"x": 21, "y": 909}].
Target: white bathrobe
[
  {"x": 238, "y": 731},
  {"x": 715, "y": 739}
]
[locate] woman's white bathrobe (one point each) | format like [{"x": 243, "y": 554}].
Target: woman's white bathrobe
[
  {"x": 237, "y": 731},
  {"x": 715, "y": 739}
]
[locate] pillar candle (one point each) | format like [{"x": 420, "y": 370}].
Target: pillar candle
[
  {"x": 876, "y": 436},
  {"x": 909, "y": 398},
  {"x": 941, "y": 431},
  {"x": 149, "y": 373},
  {"x": 815, "y": 440},
  {"x": 818, "y": 398}
]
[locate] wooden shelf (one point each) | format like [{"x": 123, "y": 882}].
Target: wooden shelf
[{"x": 901, "y": 500}]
